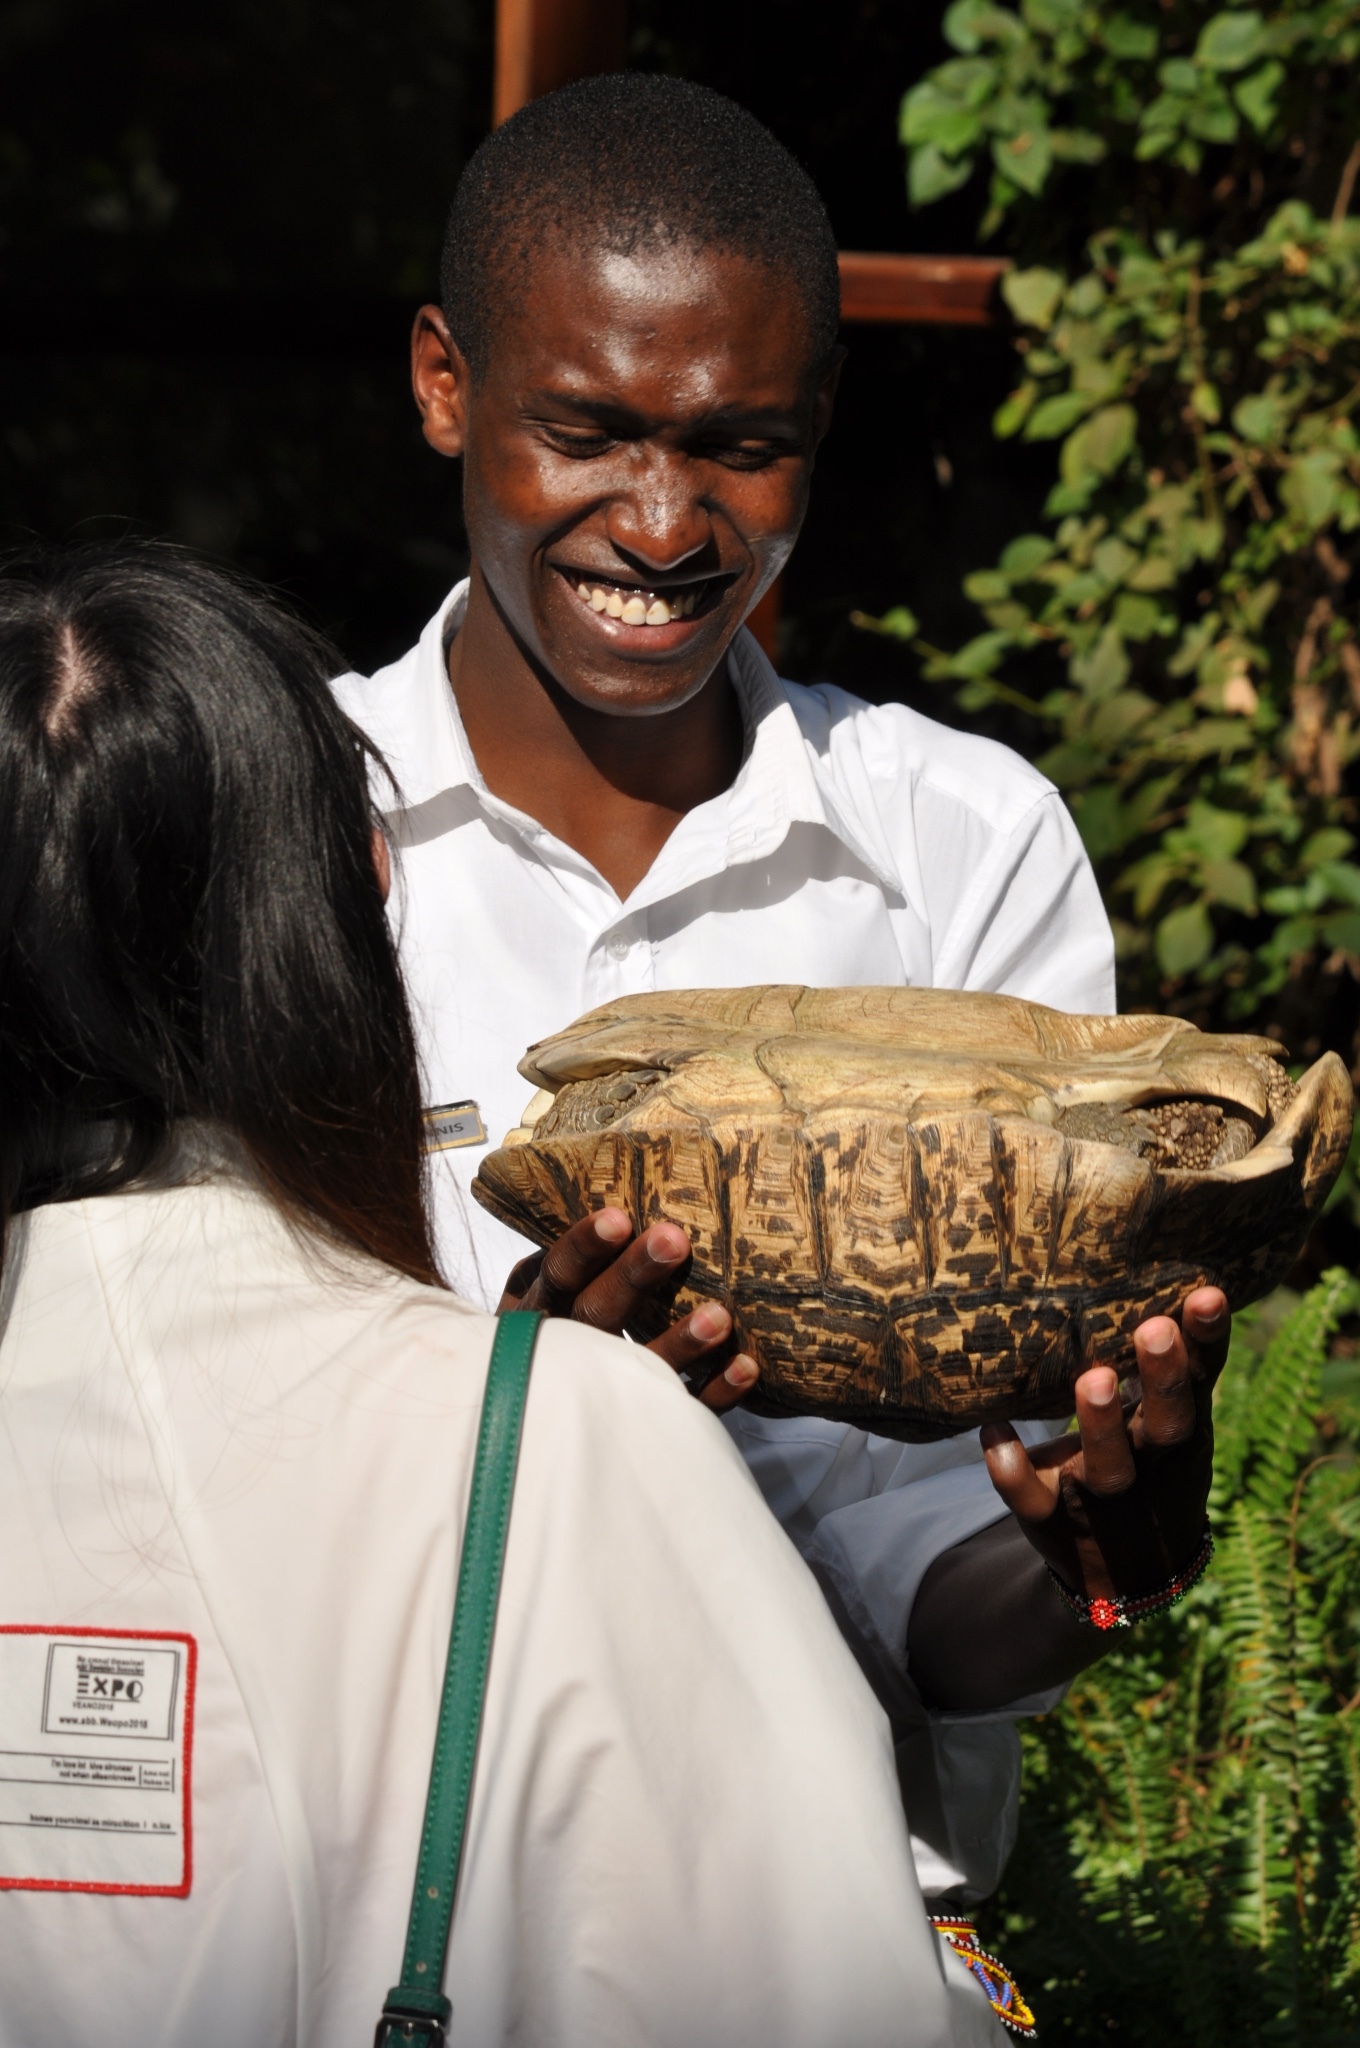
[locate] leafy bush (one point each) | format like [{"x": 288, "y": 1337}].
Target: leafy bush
[
  {"x": 1189, "y": 1860},
  {"x": 1175, "y": 643}
]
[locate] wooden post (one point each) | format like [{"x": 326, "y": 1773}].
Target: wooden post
[
  {"x": 541, "y": 44},
  {"x": 947, "y": 291}
]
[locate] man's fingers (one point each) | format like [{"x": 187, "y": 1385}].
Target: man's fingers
[
  {"x": 1207, "y": 1325},
  {"x": 614, "y": 1300},
  {"x": 1106, "y": 1453},
  {"x": 732, "y": 1384},
  {"x": 1166, "y": 1383},
  {"x": 697, "y": 1337},
  {"x": 569, "y": 1265},
  {"x": 1014, "y": 1477},
  {"x": 694, "y": 1337}
]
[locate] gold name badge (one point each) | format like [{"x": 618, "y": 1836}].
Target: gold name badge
[{"x": 452, "y": 1125}]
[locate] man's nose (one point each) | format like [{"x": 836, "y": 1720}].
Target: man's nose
[{"x": 662, "y": 521}]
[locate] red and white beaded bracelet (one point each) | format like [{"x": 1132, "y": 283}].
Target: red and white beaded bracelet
[{"x": 1121, "y": 1613}]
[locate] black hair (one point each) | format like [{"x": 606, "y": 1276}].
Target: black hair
[
  {"x": 620, "y": 162},
  {"x": 190, "y": 920}
]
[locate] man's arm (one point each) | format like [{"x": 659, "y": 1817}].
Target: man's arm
[{"x": 1116, "y": 1509}]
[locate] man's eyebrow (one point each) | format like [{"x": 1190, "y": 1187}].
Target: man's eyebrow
[{"x": 750, "y": 417}]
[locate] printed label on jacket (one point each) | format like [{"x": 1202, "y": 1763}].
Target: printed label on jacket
[{"x": 96, "y": 1744}]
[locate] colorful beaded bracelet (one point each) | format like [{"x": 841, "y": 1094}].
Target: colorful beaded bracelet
[
  {"x": 1121, "y": 1613},
  {"x": 1003, "y": 1993}
]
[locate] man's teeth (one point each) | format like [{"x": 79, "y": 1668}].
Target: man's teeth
[{"x": 638, "y": 611}]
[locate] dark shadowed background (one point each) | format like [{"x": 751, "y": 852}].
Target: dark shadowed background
[{"x": 215, "y": 224}]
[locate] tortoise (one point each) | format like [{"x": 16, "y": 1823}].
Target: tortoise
[{"x": 926, "y": 1210}]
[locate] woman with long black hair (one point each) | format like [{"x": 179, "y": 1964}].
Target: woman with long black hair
[{"x": 237, "y": 1426}]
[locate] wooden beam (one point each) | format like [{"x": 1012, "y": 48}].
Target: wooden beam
[
  {"x": 952, "y": 291},
  {"x": 541, "y": 44}
]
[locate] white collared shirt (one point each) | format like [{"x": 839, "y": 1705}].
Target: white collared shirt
[
  {"x": 233, "y": 1477},
  {"x": 858, "y": 844}
]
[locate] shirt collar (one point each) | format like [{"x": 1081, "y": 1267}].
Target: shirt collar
[{"x": 411, "y": 713}]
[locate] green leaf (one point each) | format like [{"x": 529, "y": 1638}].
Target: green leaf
[
  {"x": 1076, "y": 146},
  {"x": 930, "y": 175},
  {"x": 1256, "y": 95},
  {"x": 1231, "y": 883},
  {"x": 1071, "y": 764},
  {"x": 1010, "y": 417},
  {"x": 1343, "y": 931},
  {"x": 1154, "y": 572},
  {"x": 1118, "y": 716},
  {"x": 929, "y": 115},
  {"x": 1137, "y": 618},
  {"x": 1049, "y": 16},
  {"x": 1024, "y": 555},
  {"x": 1104, "y": 667},
  {"x": 1185, "y": 939},
  {"x": 1123, "y": 37},
  {"x": 1206, "y": 402},
  {"x": 1033, "y": 295},
  {"x": 1212, "y": 833},
  {"x": 970, "y": 23},
  {"x": 898, "y": 624},
  {"x": 980, "y": 656},
  {"x": 1025, "y": 159},
  {"x": 1179, "y": 76},
  {"x": 1100, "y": 820},
  {"x": 1260, "y": 418},
  {"x": 1213, "y": 121},
  {"x": 1054, "y": 416},
  {"x": 1311, "y": 488},
  {"x": 986, "y": 586},
  {"x": 1100, "y": 445},
  {"x": 1229, "y": 42},
  {"x": 1332, "y": 843},
  {"x": 1113, "y": 559},
  {"x": 1342, "y": 880}
]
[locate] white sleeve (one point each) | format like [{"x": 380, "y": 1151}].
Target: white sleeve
[
  {"x": 1027, "y": 919},
  {"x": 870, "y": 1516},
  {"x": 683, "y": 1774}
]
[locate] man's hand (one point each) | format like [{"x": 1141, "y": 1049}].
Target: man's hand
[
  {"x": 1115, "y": 1509},
  {"x": 1118, "y": 1508},
  {"x": 599, "y": 1273}
]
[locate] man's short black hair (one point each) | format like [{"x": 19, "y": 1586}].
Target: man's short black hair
[{"x": 622, "y": 161}]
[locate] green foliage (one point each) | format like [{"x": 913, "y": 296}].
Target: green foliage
[
  {"x": 1063, "y": 82},
  {"x": 1179, "y": 630},
  {"x": 1189, "y": 1862}
]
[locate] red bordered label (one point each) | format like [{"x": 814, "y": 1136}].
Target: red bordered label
[{"x": 96, "y": 1754}]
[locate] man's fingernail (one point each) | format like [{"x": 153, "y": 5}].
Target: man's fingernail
[
  {"x": 666, "y": 1246},
  {"x": 1101, "y": 1387},
  {"x": 710, "y": 1321},
  {"x": 1159, "y": 1337},
  {"x": 1212, "y": 1323},
  {"x": 613, "y": 1226},
  {"x": 743, "y": 1371}
]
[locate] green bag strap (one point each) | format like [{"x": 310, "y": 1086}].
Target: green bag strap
[{"x": 416, "y": 2009}]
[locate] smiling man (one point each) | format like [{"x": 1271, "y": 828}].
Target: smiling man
[{"x": 605, "y": 788}]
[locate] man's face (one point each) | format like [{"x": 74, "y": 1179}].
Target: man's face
[{"x": 636, "y": 463}]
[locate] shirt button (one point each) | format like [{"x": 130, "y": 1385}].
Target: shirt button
[{"x": 618, "y": 948}]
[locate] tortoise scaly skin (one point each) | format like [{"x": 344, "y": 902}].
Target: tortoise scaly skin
[{"x": 926, "y": 1210}]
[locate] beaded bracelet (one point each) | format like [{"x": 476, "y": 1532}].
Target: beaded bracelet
[{"x": 1121, "y": 1613}]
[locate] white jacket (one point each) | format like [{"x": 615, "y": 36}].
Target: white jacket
[{"x": 233, "y": 1471}]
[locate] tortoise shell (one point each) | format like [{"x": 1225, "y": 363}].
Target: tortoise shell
[{"x": 926, "y": 1210}]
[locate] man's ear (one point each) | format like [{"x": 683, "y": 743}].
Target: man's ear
[
  {"x": 824, "y": 403},
  {"x": 441, "y": 381}
]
